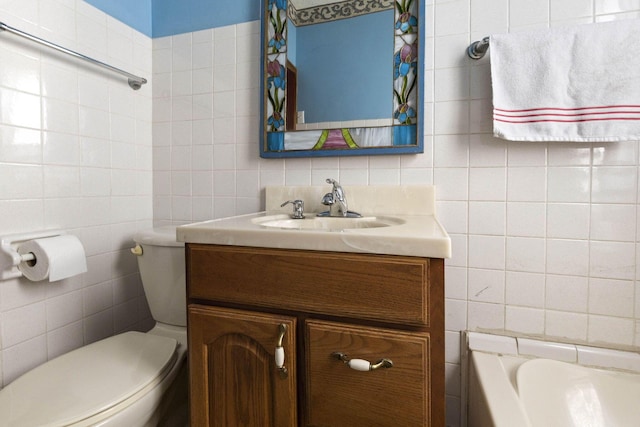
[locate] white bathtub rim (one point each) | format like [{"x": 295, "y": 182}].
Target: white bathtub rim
[{"x": 595, "y": 357}]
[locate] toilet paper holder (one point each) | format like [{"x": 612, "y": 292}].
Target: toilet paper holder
[{"x": 9, "y": 256}]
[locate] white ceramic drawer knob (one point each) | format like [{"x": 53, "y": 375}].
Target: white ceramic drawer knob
[
  {"x": 361, "y": 364},
  {"x": 279, "y": 353}
]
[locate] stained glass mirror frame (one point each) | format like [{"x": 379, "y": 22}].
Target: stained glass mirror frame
[{"x": 404, "y": 135}]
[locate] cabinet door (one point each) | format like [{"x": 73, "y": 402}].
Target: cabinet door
[
  {"x": 234, "y": 380},
  {"x": 338, "y": 395}
]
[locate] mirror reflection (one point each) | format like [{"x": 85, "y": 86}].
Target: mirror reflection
[
  {"x": 348, "y": 57},
  {"x": 340, "y": 78}
]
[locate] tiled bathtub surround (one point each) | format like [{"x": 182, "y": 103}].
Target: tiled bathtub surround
[{"x": 526, "y": 347}]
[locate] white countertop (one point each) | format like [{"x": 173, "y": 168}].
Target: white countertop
[{"x": 412, "y": 234}]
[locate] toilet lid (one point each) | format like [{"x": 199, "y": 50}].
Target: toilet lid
[{"x": 87, "y": 381}]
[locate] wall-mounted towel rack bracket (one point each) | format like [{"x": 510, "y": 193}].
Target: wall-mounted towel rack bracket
[
  {"x": 135, "y": 82},
  {"x": 478, "y": 49}
]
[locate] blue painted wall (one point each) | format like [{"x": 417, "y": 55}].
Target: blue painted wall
[
  {"x": 365, "y": 88},
  {"x": 181, "y": 16},
  {"x": 134, "y": 13},
  {"x": 159, "y": 18}
]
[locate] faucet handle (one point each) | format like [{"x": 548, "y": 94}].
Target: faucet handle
[
  {"x": 328, "y": 200},
  {"x": 337, "y": 190},
  {"x": 298, "y": 208}
]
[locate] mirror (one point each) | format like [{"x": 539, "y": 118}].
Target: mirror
[{"x": 341, "y": 79}]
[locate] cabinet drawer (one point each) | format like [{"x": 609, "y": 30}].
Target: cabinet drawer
[
  {"x": 378, "y": 287},
  {"x": 340, "y": 396}
]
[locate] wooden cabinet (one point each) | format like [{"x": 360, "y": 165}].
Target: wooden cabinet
[
  {"x": 340, "y": 311},
  {"x": 232, "y": 375},
  {"x": 388, "y": 396}
]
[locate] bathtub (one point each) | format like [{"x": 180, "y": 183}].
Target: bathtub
[{"x": 513, "y": 390}]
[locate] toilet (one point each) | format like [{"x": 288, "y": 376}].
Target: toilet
[{"x": 128, "y": 380}]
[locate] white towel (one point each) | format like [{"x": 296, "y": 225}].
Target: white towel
[{"x": 579, "y": 83}]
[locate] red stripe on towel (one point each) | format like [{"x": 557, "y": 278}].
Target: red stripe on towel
[
  {"x": 567, "y": 115},
  {"x": 602, "y": 107},
  {"x": 566, "y": 121}
]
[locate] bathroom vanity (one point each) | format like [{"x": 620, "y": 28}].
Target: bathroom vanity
[{"x": 300, "y": 326}]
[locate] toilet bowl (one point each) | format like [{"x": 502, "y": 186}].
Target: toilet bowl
[{"x": 128, "y": 380}]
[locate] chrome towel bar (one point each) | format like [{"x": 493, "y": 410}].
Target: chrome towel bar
[
  {"x": 477, "y": 49},
  {"x": 135, "y": 82}
]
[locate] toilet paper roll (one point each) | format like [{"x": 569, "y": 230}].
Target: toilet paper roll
[{"x": 57, "y": 258}]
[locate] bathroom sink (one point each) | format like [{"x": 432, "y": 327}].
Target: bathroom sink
[
  {"x": 316, "y": 223},
  {"x": 397, "y": 220}
]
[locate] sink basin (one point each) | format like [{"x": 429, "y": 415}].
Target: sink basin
[{"x": 315, "y": 223}]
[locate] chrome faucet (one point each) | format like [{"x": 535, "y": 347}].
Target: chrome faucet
[{"x": 337, "y": 202}]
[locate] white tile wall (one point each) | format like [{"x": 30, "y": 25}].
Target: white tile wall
[
  {"x": 75, "y": 153},
  {"x": 205, "y": 106},
  {"x": 544, "y": 235}
]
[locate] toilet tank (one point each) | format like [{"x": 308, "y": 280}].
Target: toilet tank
[{"x": 162, "y": 270}]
